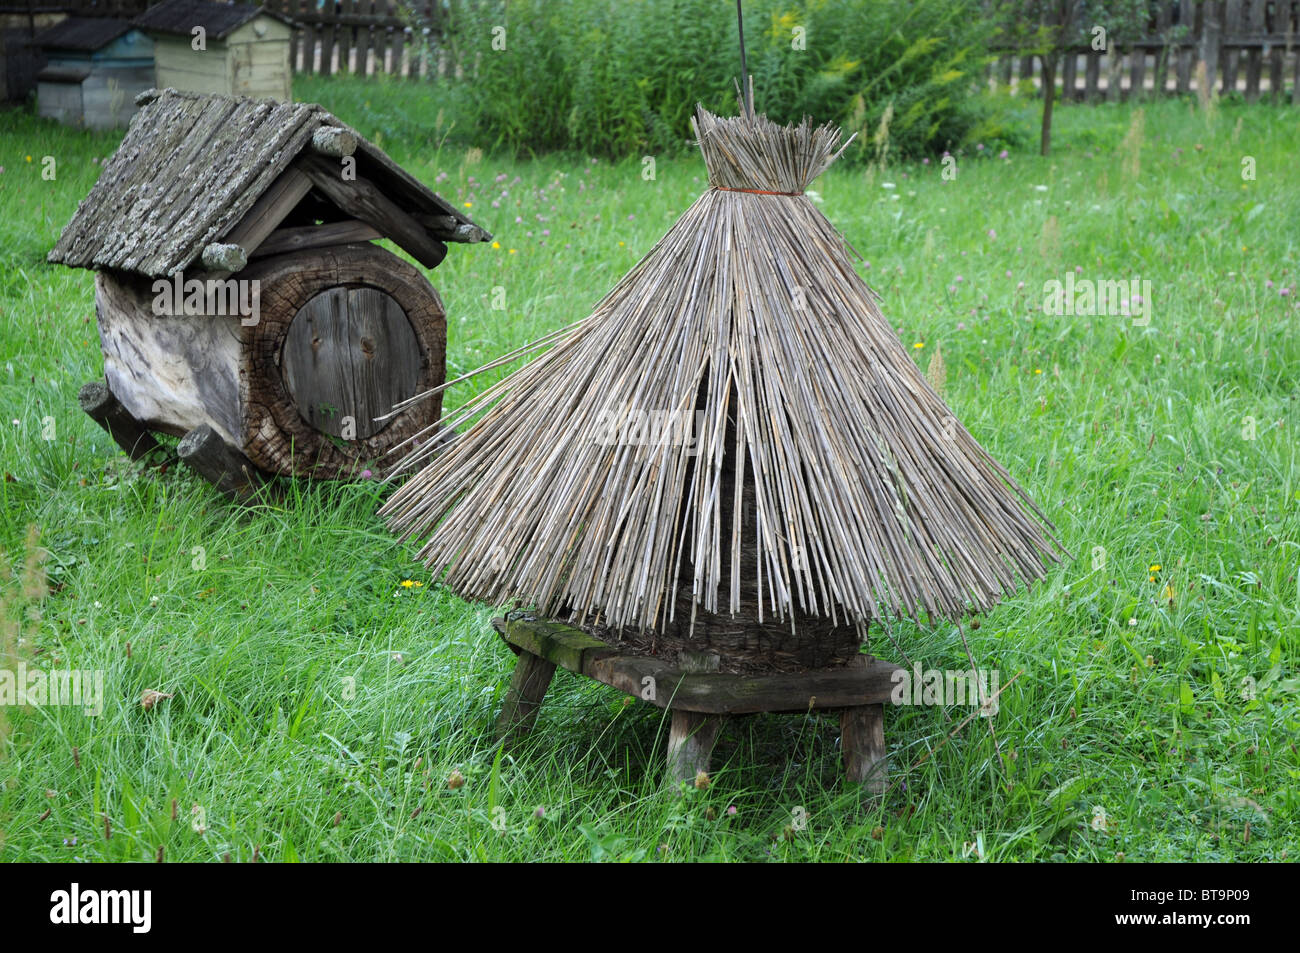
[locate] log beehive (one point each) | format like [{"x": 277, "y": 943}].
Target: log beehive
[{"x": 238, "y": 292}]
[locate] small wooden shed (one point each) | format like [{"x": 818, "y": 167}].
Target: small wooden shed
[
  {"x": 240, "y": 302},
  {"x": 231, "y": 49},
  {"x": 95, "y": 67},
  {"x": 20, "y": 61}
]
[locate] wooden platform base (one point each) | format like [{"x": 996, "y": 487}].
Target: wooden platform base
[{"x": 699, "y": 697}]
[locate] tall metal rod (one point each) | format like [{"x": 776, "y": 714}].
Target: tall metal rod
[{"x": 746, "y": 94}]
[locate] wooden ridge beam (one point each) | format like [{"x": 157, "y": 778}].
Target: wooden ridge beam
[
  {"x": 280, "y": 198},
  {"x": 362, "y": 199},
  {"x": 316, "y": 236}
]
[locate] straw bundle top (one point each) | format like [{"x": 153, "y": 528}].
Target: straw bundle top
[{"x": 752, "y": 152}]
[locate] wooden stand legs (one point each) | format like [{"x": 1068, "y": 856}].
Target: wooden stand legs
[
  {"x": 523, "y": 698},
  {"x": 217, "y": 462},
  {"x": 698, "y": 697},
  {"x": 691, "y": 737},
  {"x": 104, "y": 409},
  {"x": 862, "y": 738},
  {"x": 210, "y": 456}
]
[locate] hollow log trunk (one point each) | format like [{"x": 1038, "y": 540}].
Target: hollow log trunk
[{"x": 292, "y": 376}]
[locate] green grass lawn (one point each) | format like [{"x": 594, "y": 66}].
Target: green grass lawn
[{"x": 320, "y": 707}]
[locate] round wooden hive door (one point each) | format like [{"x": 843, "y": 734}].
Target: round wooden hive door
[
  {"x": 343, "y": 334},
  {"x": 350, "y": 356}
]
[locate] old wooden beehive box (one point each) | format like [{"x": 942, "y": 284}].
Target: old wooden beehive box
[
  {"x": 241, "y": 303},
  {"x": 232, "y": 49},
  {"x": 95, "y": 67}
]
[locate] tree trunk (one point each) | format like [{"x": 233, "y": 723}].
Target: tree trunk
[{"x": 1049, "y": 100}]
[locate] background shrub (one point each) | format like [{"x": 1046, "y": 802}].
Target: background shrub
[{"x": 621, "y": 77}]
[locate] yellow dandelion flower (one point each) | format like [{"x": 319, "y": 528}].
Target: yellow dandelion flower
[
  {"x": 1038, "y": 370},
  {"x": 620, "y": 244},
  {"x": 919, "y": 344},
  {"x": 1154, "y": 568},
  {"x": 469, "y": 204},
  {"x": 411, "y": 584},
  {"x": 496, "y": 244},
  {"x": 512, "y": 251}
]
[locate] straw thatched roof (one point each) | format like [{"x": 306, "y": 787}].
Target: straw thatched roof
[{"x": 868, "y": 498}]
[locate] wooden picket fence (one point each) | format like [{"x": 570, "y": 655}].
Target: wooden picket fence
[
  {"x": 1251, "y": 47},
  {"x": 366, "y": 36}
]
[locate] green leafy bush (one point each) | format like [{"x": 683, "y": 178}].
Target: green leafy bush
[{"x": 619, "y": 78}]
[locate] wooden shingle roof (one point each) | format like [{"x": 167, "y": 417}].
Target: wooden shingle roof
[
  {"x": 180, "y": 17},
  {"x": 85, "y": 34},
  {"x": 192, "y": 166}
]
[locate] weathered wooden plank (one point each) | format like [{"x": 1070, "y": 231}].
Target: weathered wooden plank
[
  {"x": 1138, "y": 75},
  {"x": 361, "y": 199},
  {"x": 1187, "y": 15},
  {"x": 647, "y": 678},
  {"x": 1184, "y": 71},
  {"x": 180, "y": 67},
  {"x": 1164, "y": 56},
  {"x": 106, "y": 410},
  {"x": 558, "y": 643},
  {"x": 380, "y": 38},
  {"x": 1114, "y": 74},
  {"x": 315, "y": 236},
  {"x": 363, "y": 39},
  {"x": 328, "y": 29},
  {"x": 1254, "y": 55},
  {"x": 307, "y": 35},
  {"x": 1092, "y": 73},
  {"x": 399, "y": 50},
  {"x": 672, "y": 687},
  {"x": 1211, "y": 38},
  {"x": 1232, "y": 25},
  {"x": 1295, "y": 83},
  {"x": 737, "y": 694},
  {"x": 350, "y": 356},
  {"x": 280, "y": 198},
  {"x": 528, "y": 685},
  {"x": 346, "y": 38},
  {"x": 1276, "y": 54}
]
